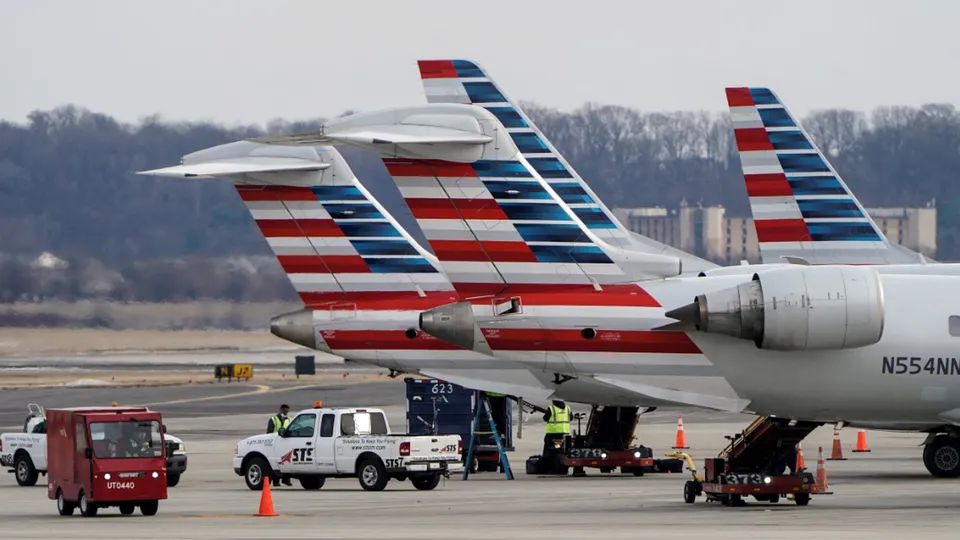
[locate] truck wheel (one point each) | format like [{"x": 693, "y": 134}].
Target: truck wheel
[
  {"x": 149, "y": 508},
  {"x": 64, "y": 507},
  {"x": 87, "y": 508},
  {"x": 256, "y": 472},
  {"x": 173, "y": 479},
  {"x": 26, "y": 473},
  {"x": 425, "y": 483},
  {"x": 372, "y": 475},
  {"x": 802, "y": 499},
  {"x": 127, "y": 508},
  {"x": 312, "y": 482}
]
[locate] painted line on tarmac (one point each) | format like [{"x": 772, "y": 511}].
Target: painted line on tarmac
[{"x": 261, "y": 389}]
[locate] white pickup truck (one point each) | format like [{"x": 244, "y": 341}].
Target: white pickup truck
[
  {"x": 323, "y": 443},
  {"x": 25, "y": 454}
]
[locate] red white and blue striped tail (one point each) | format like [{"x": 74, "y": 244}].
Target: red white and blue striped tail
[
  {"x": 467, "y": 82},
  {"x": 801, "y": 207},
  {"x": 335, "y": 242},
  {"x": 495, "y": 223}
]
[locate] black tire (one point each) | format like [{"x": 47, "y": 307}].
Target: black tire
[
  {"x": 149, "y": 508},
  {"x": 25, "y": 472},
  {"x": 256, "y": 472},
  {"x": 638, "y": 471},
  {"x": 802, "y": 499},
  {"x": 689, "y": 492},
  {"x": 942, "y": 457},
  {"x": 312, "y": 483},
  {"x": 426, "y": 483},
  {"x": 127, "y": 508},
  {"x": 64, "y": 507},
  {"x": 372, "y": 475},
  {"x": 173, "y": 480},
  {"x": 87, "y": 508}
]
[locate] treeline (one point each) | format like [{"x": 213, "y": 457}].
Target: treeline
[{"x": 67, "y": 185}]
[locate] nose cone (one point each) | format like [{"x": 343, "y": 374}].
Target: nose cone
[{"x": 297, "y": 327}]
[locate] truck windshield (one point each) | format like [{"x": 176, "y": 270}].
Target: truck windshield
[{"x": 126, "y": 439}]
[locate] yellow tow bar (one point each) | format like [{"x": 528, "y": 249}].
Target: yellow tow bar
[{"x": 690, "y": 466}]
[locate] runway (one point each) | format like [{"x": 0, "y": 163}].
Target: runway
[{"x": 884, "y": 494}]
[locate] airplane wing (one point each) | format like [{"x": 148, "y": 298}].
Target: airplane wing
[{"x": 678, "y": 397}]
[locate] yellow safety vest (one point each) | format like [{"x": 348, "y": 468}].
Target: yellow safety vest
[
  {"x": 277, "y": 424},
  {"x": 559, "y": 422},
  {"x": 136, "y": 449}
]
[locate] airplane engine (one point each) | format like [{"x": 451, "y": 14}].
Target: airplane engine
[
  {"x": 796, "y": 308},
  {"x": 453, "y": 323}
]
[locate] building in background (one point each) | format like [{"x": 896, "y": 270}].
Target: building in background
[{"x": 709, "y": 233}]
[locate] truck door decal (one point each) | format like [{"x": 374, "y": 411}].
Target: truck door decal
[{"x": 297, "y": 456}]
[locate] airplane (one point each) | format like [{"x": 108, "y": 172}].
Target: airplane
[
  {"x": 526, "y": 301},
  {"x": 295, "y": 326},
  {"x": 362, "y": 278},
  {"x": 401, "y": 134}
]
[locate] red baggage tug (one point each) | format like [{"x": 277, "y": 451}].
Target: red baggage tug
[{"x": 104, "y": 457}]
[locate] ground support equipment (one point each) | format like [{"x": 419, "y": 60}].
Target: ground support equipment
[{"x": 755, "y": 464}]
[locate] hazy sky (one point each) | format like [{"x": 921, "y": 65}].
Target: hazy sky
[{"x": 253, "y": 60}]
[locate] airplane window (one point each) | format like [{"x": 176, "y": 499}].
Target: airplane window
[{"x": 954, "y": 325}]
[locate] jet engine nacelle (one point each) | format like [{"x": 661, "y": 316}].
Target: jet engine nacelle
[{"x": 796, "y": 308}]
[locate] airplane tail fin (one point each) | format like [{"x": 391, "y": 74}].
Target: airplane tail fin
[
  {"x": 467, "y": 82},
  {"x": 495, "y": 224},
  {"x": 801, "y": 207},
  {"x": 335, "y": 242},
  {"x": 487, "y": 212}
]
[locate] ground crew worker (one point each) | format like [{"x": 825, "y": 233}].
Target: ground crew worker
[
  {"x": 138, "y": 445},
  {"x": 557, "y": 418},
  {"x": 276, "y": 422},
  {"x": 279, "y": 420}
]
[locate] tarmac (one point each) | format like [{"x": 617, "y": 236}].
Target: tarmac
[{"x": 886, "y": 493}]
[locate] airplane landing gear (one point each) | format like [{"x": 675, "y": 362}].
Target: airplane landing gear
[{"x": 941, "y": 456}]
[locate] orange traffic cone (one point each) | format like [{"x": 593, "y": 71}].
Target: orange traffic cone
[
  {"x": 800, "y": 463},
  {"x": 266, "y": 500},
  {"x": 821, "y": 472},
  {"x": 861, "y": 442},
  {"x": 837, "y": 454},
  {"x": 681, "y": 443}
]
